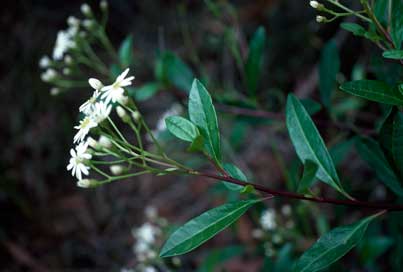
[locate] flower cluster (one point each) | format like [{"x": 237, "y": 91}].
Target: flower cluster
[
  {"x": 95, "y": 110},
  {"x": 73, "y": 47}
]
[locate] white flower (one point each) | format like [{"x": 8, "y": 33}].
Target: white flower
[
  {"x": 321, "y": 19},
  {"x": 77, "y": 160},
  {"x": 85, "y": 9},
  {"x": 149, "y": 269},
  {"x": 68, "y": 60},
  {"x": 104, "y": 141},
  {"x": 73, "y": 21},
  {"x": 100, "y": 112},
  {"x": 88, "y": 107},
  {"x": 268, "y": 220},
  {"x": 96, "y": 84},
  {"x": 64, "y": 42},
  {"x": 314, "y": 4},
  {"x": 54, "y": 91},
  {"x": 44, "y": 62},
  {"x": 115, "y": 92},
  {"x": 116, "y": 169},
  {"x": 147, "y": 233},
  {"x": 83, "y": 128},
  {"x": 49, "y": 75}
]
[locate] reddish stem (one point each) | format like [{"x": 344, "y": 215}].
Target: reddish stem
[{"x": 349, "y": 203}]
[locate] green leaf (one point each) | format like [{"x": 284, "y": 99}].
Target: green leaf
[
  {"x": 205, "y": 226},
  {"x": 332, "y": 246},
  {"x": 203, "y": 115},
  {"x": 393, "y": 54},
  {"x": 329, "y": 66},
  {"x": 236, "y": 173},
  {"x": 197, "y": 144},
  {"x": 126, "y": 52},
  {"x": 353, "y": 28},
  {"x": 396, "y": 24},
  {"x": 218, "y": 256},
  {"x": 308, "y": 143},
  {"x": 308, "y": 177},
  {"x": 171, "y": 70},
  {"x": 391, "y": 138},
  {"x": 182, "y": 128},
  {"x": 254, "y": 61},
  {"x": 311, "y": 106},
  {"x": 145, "y": 91},
  {"x": 371, "y": 152},
  {"x": 373, "y": 90}
]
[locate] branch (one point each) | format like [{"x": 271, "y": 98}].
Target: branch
[{"x": 349, "y": 203}]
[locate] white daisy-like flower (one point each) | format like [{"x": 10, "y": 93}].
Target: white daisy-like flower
[
  {"x": 115, "y": 91},
  {"x": 44, "y": 62},
  {"x": 100, "y": 112},
  {"x": 88, "y": 107},
  {"x": 268, "y": 220},
  {"x": 64, "y": 42},
  {"x": 77, "y": 161},
  {"x": 84, "y": 128}
]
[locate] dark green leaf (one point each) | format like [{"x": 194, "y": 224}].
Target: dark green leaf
[
  {"x": 205, "y": 226},
  {"x": 308, "y": 177},
  {"x": 236, "y": 173},
  {"x": 170, "y": 69},
  {"x": 332, "y": 246},
  {"x": 354, "y": 28},
  {"x": 393, "y": 54},
  {"x": 145, "y": 91},
  {"x": 218, "y": 256},
  {"x": 182, "y": 128},
  {"x": 396, "y": 24},
  {"x": 197, "y": 144},
  {"x": 371, "y": 152},
  {"x": 311, "y": 106},
  {"x": 126, "y": 52},
  {"x": 308, "y": 143},
  {"x": 253, "y": 64},
  {"x": 203, "y": 115},
  {"x": 391, "y": 138},
  {"x": 373, "y": 90},
  {"x": 373, "y": 247},
  {"x": 328, "y": 68}
]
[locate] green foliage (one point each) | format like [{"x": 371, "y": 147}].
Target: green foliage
[
  {"x": 308, "y": 143},
  {"x": 170, "y": 70},
  {"x": 218, "y": 256},
  {"x": 200, "y": 229},
  {"x": 308, "y": 177},
  {"x": 332, "y": 246},
  {"x": 372, "y": 153},
  {"x": 391, "y": 138},
  {"x": 254, "y": 62},
  {"x": 393, "y": 54},
  {"x": 126, "y": 52},
  {"x": 234, "y": 172},
  {"x": 145, "y": 91},
  {"x": 396, "y": 24},
  {"x": 203, "y": 115},
  {"x": 329, "y": 66},
  {"x": 373, "y": 90},
  {"x": 182, "y": 128}
]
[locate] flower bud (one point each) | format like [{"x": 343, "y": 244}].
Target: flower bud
[
  {"x": 321, "y": 19},
  {"x": 136, "y": 116},
  {"x": 44, "y": 62},
  {"x": 122, "y": 114},
  {"x": 95, "y": 83},
  {"x": 91, "y": 142},
  {"x": 86, "y": 183},
  {"x": 104, "y": 142},
  {"x": 73, "y": 21},
  {"x": 123, "y": 99},
  {"x": 54, "y": 91},
  {"x": 88, "y": 24},
  {"x": 103, "y": 5},
  {"x": 49, "y": 75},
  {"x": 68, "y": 60},
  {"x": 66, "y": 71},
  {"x": 116, "y": 169},
  {"x": 314, "y": 4},
  {"x": 86, "y": 9}
]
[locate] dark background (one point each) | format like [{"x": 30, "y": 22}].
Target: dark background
[{"x": 47, "y": 223}]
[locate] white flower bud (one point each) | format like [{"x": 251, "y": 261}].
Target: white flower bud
[
  {"x": 314, "y": 4},
  {"x": 82, "y": 34},
  {"x": 151, "y": 213},
  {"x": 66, "y": 71},
  {"x": 321, "y": 19},
  {"x": 44, "y": 62},
  {"x": 104, "y": 141},
  {"x": 54, "y": 91},
  {"x": 86, "y": 183},
  {"x": 68, "y": 60},
  {"x": 136, "y": 116},
  {"x": 95, "y": 83},
  {"x": 49, "y": 75},
  {"x": 286, "y": 210},
  {"x": 121, "y": 112},
  {"x": 123, "y": 99},
  {"x": 103, "y": 5},
  {"x": 88, "y": 23},
  {"x": 91, "y": 142},
  {"x": 86, "y": 9},
  {"x": 116, "y": 169},
  {"x": 73, "y": 21}
]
